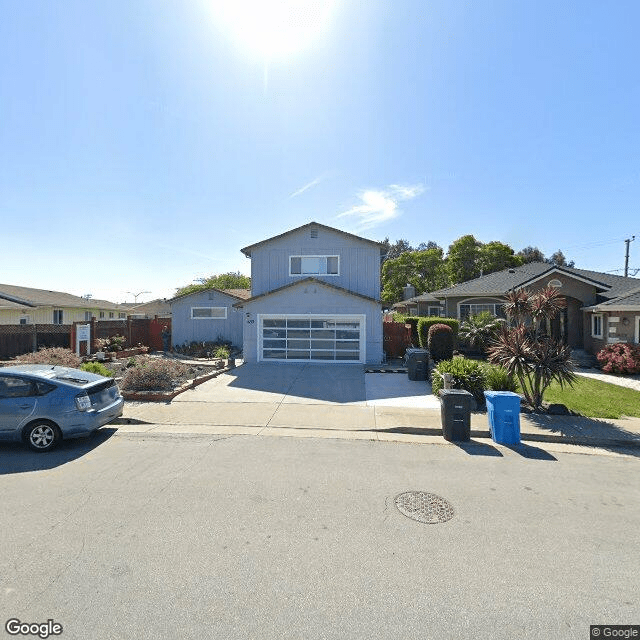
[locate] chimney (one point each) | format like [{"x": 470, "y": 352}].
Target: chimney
[{"x": 409, "y": 291}]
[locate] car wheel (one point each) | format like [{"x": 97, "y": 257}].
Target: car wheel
[{"x": 42, "y": 436}]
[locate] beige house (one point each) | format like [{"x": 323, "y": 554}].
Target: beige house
[
  {"x": 601, "y": 308},
  {"x": 160, "y": 308},
  {"x": 24, "y": 305}
]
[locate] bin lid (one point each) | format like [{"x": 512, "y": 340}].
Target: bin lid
[
  {"x": 501, "y": 394},
  {"x": 454, "y": 392}
]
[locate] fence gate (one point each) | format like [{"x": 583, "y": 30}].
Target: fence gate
[{"x": 396, "y": 338}]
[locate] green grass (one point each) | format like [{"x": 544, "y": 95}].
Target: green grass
[{"x": 596, "y": 399}]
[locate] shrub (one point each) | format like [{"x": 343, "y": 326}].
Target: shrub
[
  {"x": 51, "y": 355},
  {"x": 440, "y": 342},
  {"x": 498, "y": 379},
  {"x": 153, "y": 374},
  {"x": 620, "y": 358},
  {"x": 466, "y": 374},
  {"x": 425, "y": 324},
  {"x": 97, "y": 367},
  {"x": 222, "y": 352},
  {"x": 479, "y": 330},
  {"x": 413, "y": 321},
  {"x": 112, "y": 343}
]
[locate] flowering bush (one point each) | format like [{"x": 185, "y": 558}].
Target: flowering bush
[
  {"x": 620, "y": 358},
  {"x": 51, "y": 355},
  {"x": 153, "y": 374},
  {"x": 113, "y": 343}
]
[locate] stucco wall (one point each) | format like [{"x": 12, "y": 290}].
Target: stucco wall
[
  {"x": 614, "y": 329},
  {"x": 359, "y": 261},
  {"x": 313, "y": 299},
  {"x": 186, "y": 329}
]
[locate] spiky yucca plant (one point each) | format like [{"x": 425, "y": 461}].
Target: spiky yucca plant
[{"x": 535, "y": 360}]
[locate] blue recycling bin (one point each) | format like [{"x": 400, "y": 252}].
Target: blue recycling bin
[{"x": 503, "y": 411}]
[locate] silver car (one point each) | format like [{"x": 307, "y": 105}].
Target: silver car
[{"x": 42, "y": 404}]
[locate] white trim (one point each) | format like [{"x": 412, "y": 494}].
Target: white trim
[
  {"x": 593, "y": 318},
  {"x": 546, "y": 274},
  {"x": 637, "y": 332},
  {"x": 222, "y": 317},
  {"x": 362, "y": 343},
  {"x": 302, "y": 274}
]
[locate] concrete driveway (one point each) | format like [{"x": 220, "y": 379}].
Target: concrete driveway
[{"x": 272, "y": 397}]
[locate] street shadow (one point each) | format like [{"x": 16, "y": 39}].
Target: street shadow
[
  {"x": 339, "y": 383},
  {"x": 530, "y": 452},
  {"x": 474, "y": 448},
  {"x": 584, "y": 431},
  {"x": 16, "y": 457}
]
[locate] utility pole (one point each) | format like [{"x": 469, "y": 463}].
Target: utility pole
[{"x": 628, "y": 241}]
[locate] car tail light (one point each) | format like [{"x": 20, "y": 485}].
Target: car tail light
[{"x": 83, "y": 402}]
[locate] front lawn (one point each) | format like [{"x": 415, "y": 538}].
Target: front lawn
[{"x": 595, "y": 399}]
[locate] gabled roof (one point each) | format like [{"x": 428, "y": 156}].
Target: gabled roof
[
  {"x": 500, "y": 282},
  {"x": 26, "y": 296},
  {"x": 423, "y": 297},
  {"x": 239, "y": 294},
  {"x": 247, "y": 250},
  {"x": 308, "y": 281},
  {"x": 629, "y": 302}
]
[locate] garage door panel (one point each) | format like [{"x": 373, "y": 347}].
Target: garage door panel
[{"x": 314, "y": 338}]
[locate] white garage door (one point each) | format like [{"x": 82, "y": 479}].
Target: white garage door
[{"x": 311, "y": 338}]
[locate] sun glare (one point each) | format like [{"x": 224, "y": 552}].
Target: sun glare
[{"x": 274, "y": 28}]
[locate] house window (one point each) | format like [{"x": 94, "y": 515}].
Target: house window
[
  {"x": 434, "y": 311},
  {"x": 208, "y": 313},
  {"x": 25, "y": 319},
  {"x": 87, "y": 315},
  {"x": 467, "y": 310},
  {"x": 111, "y": 314},
  {"x": 122, "y": 315},
  {"x": 102, "y": 314},
  {"x": 57, "y": 316},
  {"x": 596, "y": 325},
  {"x": 314, "y": 265}
]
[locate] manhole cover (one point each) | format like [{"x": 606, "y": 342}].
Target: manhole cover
[{"x": 424, "y": 507}]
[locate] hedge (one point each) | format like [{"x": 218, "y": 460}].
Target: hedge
[{"x": 425, "y": 323}]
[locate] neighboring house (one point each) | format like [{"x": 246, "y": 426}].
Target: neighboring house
[
  {"x": 315, "y": 297},
  {"x": 160, "y": 308},
  {"x": 207, "y": 316},
  {"x": 422, "y": 305},
  {"x": 23, "y": 305},
  {"x": 581, "y": 324}
]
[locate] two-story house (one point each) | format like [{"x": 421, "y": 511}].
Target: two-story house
[{"x": 315, "y": 297}]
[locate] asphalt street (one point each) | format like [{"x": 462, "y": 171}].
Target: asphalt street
[{"x": 166, "y": 536}]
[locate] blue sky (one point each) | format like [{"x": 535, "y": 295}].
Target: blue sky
[{"x": 142, "y": 144}]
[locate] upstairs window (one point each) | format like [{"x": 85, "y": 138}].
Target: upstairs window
[{"x": 314, "y": 265}]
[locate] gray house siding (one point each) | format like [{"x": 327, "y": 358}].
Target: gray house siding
[
  {"x": 186, "y": 329},
  {"x": 359, "y": 269},
  {"x": 313, "y": 299}
]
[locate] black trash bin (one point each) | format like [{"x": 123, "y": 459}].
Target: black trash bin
[
  {"x": 417, "y": 363},
  {"x": 456, "y": 414}
]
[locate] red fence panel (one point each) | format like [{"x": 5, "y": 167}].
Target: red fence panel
[{"x": 396, "y": 337}]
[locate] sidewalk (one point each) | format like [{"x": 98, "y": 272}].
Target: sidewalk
[{"x": 389, "y": 407}]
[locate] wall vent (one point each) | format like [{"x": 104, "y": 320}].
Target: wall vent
[{"x": 314, "y": 232}]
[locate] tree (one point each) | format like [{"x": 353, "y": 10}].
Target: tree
[
  {"x": 390, "y": 251},
  {"x": 531, "y": 254},
  {"x": 525, "y": 352},
  {"x": 463, "y": 259},
  {"x": 422, "y": 269},
  {"x": 559, "y": 260},
  {"x": 496, "y": 256},
  {"x": 222, "y": 281}
]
